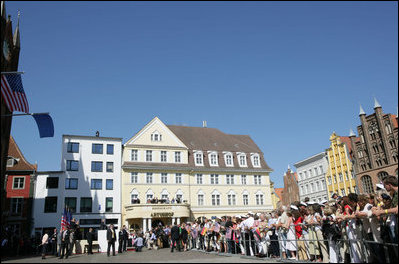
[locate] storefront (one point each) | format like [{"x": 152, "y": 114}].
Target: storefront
[{"x": 147, "y": 216}]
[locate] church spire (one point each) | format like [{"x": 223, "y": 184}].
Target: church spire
[
  {"x": 376, "y": 103},
  {"x": 361, "y": 111},
  {"x": 351, "y": 133},
  {"x": 17, "y": 41}
]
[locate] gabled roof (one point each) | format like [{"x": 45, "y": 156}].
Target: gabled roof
[{"x": 15, "y": 152}]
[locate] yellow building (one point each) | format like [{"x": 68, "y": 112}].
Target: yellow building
[
  {"x": 275, "y": 197},
  {"x": 340, "y": 178},
  {"x": 210, "y": 172}
]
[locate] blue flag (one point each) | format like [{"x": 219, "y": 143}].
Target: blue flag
[{"x": 45, "y": 124}]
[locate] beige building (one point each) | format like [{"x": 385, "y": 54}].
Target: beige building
[{"x": 210, "y": 172}]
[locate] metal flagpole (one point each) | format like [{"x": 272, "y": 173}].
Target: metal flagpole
[
  {"x": 12, "y": 72},
  {"x": 27, "y": 114}
]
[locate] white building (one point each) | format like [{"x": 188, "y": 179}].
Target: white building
[
  {"x": 88, "y": 183},
  {"x": 311, "y": 177}
]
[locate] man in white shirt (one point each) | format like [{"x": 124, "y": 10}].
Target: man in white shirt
[{"x": 249, "y": 240}]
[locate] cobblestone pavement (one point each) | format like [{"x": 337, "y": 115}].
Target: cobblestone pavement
[{"x": 155, "y": 256}]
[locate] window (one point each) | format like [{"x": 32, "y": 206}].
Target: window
[
  {"x": 109, "y": 184},
  {"x": 96, "y": 166},
  {"x": 312, "y": 186},
  {"x": 110, "y": 166},
  {"x": 109, "y": 204},
  {"x": 97, "y": 148},
  {"x": 306, "y": 174},
  {"x": 321, "y": 169},
  {"x": 300, "y": 176},
  {"x": 307, "y": 188},
  {"x": 214, "y": 159},
  {"x": 163, "y": 156},
  {"x": 16, "y": 206},
  {"x": 310, "y": 173},
  {"x": 71, "y": 183},
  {"x": 133, "y": 177},
  {"x": 52, "y": 183},
  {"x": 200, "y": 199},
  {"x": 367, "y": 184},
  {"x": 134, "y": 156},
  {"x": 199, "y": 178},
  {"x": 381, "y": 175},
  {"x": 318, "y": 186},
  {"x": 148, "y": 155},
  {"x": 231, "y": 199},
  {"x": 215, "y": 199},
  {"x": 110, "y": 149},
  {"x": 245, "y": 199},
  {"x": 179, "y": 197},
  {"x": 73, "y": 147},
  {"x": 255, "y": 161},
  {"x": 243, "y": 160},
  {"x": 177, "y": 156},
  {"x": 229, "y": 159},
  {"x": 214, "y": 179},
  {"x": 134, "y": 198},
  {"x": 198, "y": 159},
  {"x": 244, "y": 179},
  {"x": 19, "y": 182},
  {"x": 149, "y": 177},
  {"x": 96, "y": 184},
  {"x": 149, "y": 196},
  {"x": 259, "y": 199},
  {"x": 86, "y": 204},
  {"x": 349, "y": 190},
  {"x": 72, "y": 165},
  {"x": 229, "y": 179},
  {"x": 341, "y": 178},
  {"x": 315, "y": 171},
  {"x": 178, "y": 178},
  {"x": 50, "y": 204},
  {"x": 164, "y": 178},
  {"x": 302, "y": 190},
  {"x": 323, "y": 184},
  {"x": 335, "y": 178},
  {"x": 346, "y": 176},
  {"x": 156, "y": 136},
  {"x": 257, "y": 179},
  {"x": 164, "y": 196},
  {"x": 70, "y": 203}
]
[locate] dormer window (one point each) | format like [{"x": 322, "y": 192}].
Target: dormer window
[
  {"x": 156, "y": 136},
  {"x": 228, "y": 159},
  {"x": 242, "y": 158},
  {"x": 255, "y": 160},
  {"x": 198, "y": 158},
  {"x": 213, "y": 158}
]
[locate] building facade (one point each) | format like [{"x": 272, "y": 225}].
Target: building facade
[
  {"x": 275, "y": 196},
  {"x": 290, "y": 192},
  {"x": 376, "y": 152},
  {"x": 193, "y": 172},
  {"x": 340, "y": 177},
  {"x": 88, "y": 184},
  {"x": 312, "y": 177},
  {"x": 19, "y": 187}
]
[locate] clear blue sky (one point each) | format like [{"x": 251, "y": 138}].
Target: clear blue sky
[{"x": 286, "y": 73}]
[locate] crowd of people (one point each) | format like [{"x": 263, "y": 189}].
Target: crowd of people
[{"x": 354, "y": 228}]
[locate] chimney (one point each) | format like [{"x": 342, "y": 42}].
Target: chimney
[{"x": 204, "y": 123}]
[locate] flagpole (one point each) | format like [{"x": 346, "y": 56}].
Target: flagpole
[
  {"x": 12, "y": 72},
  {"x": 27, "y": 114}
]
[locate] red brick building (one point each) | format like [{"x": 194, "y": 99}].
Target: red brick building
[
  {"x": 375, "y": 154},
  {"x": 19, "y": 191},
  {"x": 290, "y": 193}
]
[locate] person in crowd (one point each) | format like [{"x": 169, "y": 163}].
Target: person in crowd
[
  {"x": 65, "y": 243},
  {"x": 53, "y": 240},
  {"x": 59, "y": 242},
  {"x": 274, "y": 248},
  {"x": 174, "y": 235},
  {"x": 184, "y": 236},
  {"x": 282, "y": 231},
  {"x": 120, "y": 241},
  {"x": 111, "y": 238},
  {"x": 103, "y": 226},
  {"x": 44, "y": 244},
  {"x": 291, "y": 237},
  {"x": 90, "y": 238},
  {"x": 125, "y": 237},
  {"x": 298, "y": 223},
  {"x": 138, "y": 243}
]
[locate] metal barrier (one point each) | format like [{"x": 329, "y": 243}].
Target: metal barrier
[{"x": 354, "y": 245}]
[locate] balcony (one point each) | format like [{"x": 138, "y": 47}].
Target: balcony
[{"x": 149, "y": 210}]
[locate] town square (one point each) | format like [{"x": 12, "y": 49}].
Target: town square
[{"x": 196, "y": 131}]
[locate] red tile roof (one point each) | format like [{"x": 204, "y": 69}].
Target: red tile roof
[
  {"x": 15, "y": 152},
  {"x": 394, "y": 120}
]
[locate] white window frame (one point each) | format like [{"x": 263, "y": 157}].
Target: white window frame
[
  {"x": 228, "y": 159},
  {"x": 148, "y": 176},
  {"x": 255, "y": 159},
  {"x": 214, "y": 179},
  {"x": 178, "y": 178},
  {"x": 200, "y": 178},
  {"x": 134, "y": 175},
  {"x": 242, "y": 159},
  {"x": 148, "y": 155},
  {"x": 231, "y": 199},
  {"x": 198, "y": 156},
  {"x": 244, "y": 179},
  {"x": 200, "y": 199},
  {"x": 213, "y": 158},
  {"x": 245, "y": 198},
  {"x": 215, "y": 198},
  {"x": 164, "y": 178},
  {"x": 177, "y": 156},
  {"x": 259, "y": 198},
  {"x": 257, "y": 179},
  {"x": 19, "y": 183},
  {"x": 164, "y": 156},
  {"x": 230, "y": 179},
  {"x": 134, "y": 155}
]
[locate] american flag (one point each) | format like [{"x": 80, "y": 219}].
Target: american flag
[
  {"x": 66, "y": 218},
  {"x": 13, "y": 93}
]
